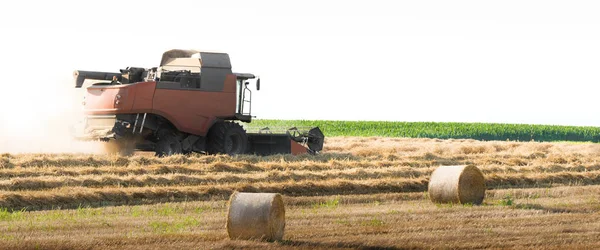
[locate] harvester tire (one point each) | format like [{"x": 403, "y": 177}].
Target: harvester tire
[
  {"x": 227, "y": 138},
  {"x": 167, "y": 144}
]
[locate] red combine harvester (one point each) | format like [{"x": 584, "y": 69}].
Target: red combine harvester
[{"x": 192, "y": 102}]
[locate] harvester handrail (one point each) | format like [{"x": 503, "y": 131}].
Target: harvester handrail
[{"x": 278, "y": 129}]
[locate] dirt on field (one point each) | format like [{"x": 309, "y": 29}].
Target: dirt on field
[{"x": 360, "y": 193}]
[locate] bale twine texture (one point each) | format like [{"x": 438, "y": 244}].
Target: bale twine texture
[
  {"x": 457, "y": 184},
  {"x": 256, "y": 216}
]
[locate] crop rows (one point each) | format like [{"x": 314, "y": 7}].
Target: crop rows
[
  {"x": 360, "y": 193},
  {"x": 443, "y": 130},
  {"x": 349, "y": 166}
]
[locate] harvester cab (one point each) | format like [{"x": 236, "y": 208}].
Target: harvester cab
[{"x": 191, "y": 102}]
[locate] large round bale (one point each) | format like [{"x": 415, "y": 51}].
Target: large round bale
[
  {"x": 258, "y": 216},
  {"x": 457, "y": 184}
]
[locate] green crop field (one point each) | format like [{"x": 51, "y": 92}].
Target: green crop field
[{"x": 443, "y": 130}]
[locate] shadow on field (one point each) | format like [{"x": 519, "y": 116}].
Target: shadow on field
[
  {"x": 124, "y": 197},
  {"x": 16, "y": 202},
  {"x": 335, "y": 245},
  {"x": 496, "y": 183},
  {"x": 554, "y": 210},
  {"x": 323, "y": 157},
  {"x": 518, "y": 184},
  {"x": 431, "y": 159}
]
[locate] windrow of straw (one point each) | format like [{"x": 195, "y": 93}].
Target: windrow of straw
[{"x": 495, "y": 179}]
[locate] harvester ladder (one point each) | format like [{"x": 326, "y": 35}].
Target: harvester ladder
[
  {"x": 137, "y": 117},
  {"x": 247, "y": 94},
  {"x": 135, "y": 123}
]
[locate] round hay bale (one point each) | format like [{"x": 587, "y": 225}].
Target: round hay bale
[
  {"x": 259, "y": 216},
  {"x": 457, "y": 184}
]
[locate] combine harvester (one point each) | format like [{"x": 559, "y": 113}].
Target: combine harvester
[{"x": 192, "y": 102}]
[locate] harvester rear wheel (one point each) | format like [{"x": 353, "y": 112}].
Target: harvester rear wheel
[
  {"x": 167, "y": 144},
  {"x": 227, "y": 138}
]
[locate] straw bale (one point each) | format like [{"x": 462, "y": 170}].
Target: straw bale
[
  {"x": 457, "y": 184},
  {"x": 258, "y": 216}
]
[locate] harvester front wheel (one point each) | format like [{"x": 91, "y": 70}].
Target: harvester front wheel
[
  {"x": 167, "y": 144},
  {"x": 227, "y": 138}
]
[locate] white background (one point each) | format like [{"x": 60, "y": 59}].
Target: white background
[{"x": 467, "y": 61}]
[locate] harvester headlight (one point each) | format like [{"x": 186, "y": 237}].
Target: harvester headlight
[{"x": 117, "y": 101}]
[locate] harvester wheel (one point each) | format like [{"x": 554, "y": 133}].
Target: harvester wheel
[
  {"x": 227, "y": 138},
  {"x": 167, "y": 144}
]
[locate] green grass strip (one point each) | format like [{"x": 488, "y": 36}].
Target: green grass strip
[{"x": 442, "y": 130}]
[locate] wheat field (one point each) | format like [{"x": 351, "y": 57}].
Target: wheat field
[{"x": 360, "y": 193}]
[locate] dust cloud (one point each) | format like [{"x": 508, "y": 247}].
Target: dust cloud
[{"x": 38, "y": 114}]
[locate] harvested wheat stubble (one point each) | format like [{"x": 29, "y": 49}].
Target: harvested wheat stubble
[
  {"x": 258, "y": 216},
  {"x": 457, "y": 184}
]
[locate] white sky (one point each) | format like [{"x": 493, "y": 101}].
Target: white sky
[{"x": 466, "y": 61}]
